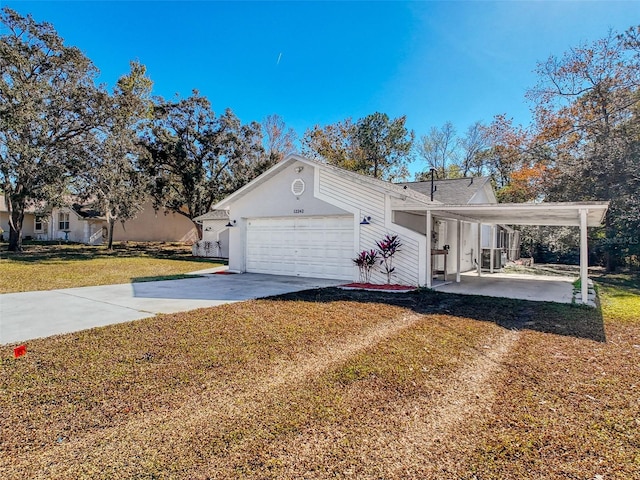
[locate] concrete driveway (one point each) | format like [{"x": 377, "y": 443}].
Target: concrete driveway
[
  {"x": 539, "y": 288},
  {"x": 29, "y": 315}
]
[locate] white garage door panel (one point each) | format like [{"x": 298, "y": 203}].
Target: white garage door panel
[{"x": 303, "y": 246}]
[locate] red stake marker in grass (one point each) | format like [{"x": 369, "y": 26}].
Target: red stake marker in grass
[{"x": 19, "y": 351}]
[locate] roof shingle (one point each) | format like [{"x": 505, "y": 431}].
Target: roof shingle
[{"x": 454, "y": 191}]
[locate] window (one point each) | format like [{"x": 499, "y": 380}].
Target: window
[
  {"x": 63, "y": 221},
  {"x": 38, "y": 226}
]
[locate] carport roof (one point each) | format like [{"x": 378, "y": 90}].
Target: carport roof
[{"x": 565, "y": 213}]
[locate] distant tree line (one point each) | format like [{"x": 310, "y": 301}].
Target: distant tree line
[
  {"x": 61, "y": 134},
  {"x": 584, "y": 144}
]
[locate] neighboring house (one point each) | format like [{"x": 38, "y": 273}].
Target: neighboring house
[
  {"x": 83, "y": 224},
  {"x": 152, "y": 225},
  {"x": 309, "y": 219},
  {"x": 76, "y": 223}
]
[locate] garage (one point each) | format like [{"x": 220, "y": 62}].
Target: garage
[{"x": 317, "y": 247}]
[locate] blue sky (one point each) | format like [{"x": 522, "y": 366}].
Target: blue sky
[{"x": 321, "y": 62}]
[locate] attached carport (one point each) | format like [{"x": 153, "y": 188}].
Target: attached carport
[{"x": 573, "y": 214}]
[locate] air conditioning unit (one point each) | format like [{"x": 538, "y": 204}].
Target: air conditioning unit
[{"x": 497, "y": 258}]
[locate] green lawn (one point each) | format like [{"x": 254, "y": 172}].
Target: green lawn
[
  {"x": 48, "y": 267},
  {"x": 334, "y": 384}
]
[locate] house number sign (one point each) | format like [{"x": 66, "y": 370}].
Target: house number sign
[{"x": 298, "y": 210}]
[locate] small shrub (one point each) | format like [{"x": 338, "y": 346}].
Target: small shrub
[
  {"x": 365, "y": 262},
  {"x": 387, "y": 248}
]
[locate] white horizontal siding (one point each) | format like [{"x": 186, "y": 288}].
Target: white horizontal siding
[
  {"x": 366, "y": 201},
  {"x": 211, "y": 229},
  {"x": 346, "y": 192}
]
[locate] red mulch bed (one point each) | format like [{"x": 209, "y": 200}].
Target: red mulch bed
[
  {"x": 375, "y": 286},
  {"x": 224, "y": 273}
]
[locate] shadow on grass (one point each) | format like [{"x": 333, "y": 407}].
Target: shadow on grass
[
  {"x": 627, "y": 281},
  {"x": 547, "y": 317},
  {"x": 51, "y": 252}
]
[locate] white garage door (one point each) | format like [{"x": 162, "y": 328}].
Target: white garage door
[{"x": 318, "y": 247}]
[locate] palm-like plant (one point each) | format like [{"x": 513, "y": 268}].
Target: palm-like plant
[
  {"x": 365, "y": 262},
  {"x": 387, "y": 248}
]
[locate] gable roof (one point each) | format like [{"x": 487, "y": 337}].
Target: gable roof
[
  {"x": 213, "y": 215},
  {"x": 374, "y": 183},
  {"x": 453, "y": 191},
  {"x": 87, "y": 211}
]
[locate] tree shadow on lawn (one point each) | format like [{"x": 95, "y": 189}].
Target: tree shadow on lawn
[
  {"x": 52, "y": 252},
  {"x": 627, "y": 281},
  {"x": 547, "y": 317}
]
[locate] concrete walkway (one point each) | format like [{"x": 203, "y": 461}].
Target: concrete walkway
[
  {"x": 24, "y": 316},
  {"x": 540, "y": 288}
]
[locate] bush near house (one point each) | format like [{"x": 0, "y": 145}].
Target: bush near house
[{"x": 365, "y": 261}]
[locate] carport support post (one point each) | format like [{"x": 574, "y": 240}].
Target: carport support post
[
  {"x": 429, "y": 274},
  {"x": 491, "y": 244},
  {"x": 479, "y": 252},
  {"x": 584, "y": 257},
  {"x": 458, "y": 250}
]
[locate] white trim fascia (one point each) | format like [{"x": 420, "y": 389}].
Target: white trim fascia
[
  {"x": 522, "y": 206},
  {"x": 374, "y": 183},
  {"x": 502, "y": 213},
  {"x": 489, "y": 191}
]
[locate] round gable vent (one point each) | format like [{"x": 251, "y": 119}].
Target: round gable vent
[{"x": 297, "y": 187}]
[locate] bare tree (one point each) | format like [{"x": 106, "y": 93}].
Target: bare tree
[
  {"x": 278, "y": 139},
  {"x": 438, "y": 149},
  {"x": 470, "y": 149}
]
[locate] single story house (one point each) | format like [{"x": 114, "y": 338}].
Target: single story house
[
  {"x": 73, "y": 223},
  {"x": 306, "y": 218}
]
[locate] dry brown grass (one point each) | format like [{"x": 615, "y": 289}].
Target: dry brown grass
[
  {"x": 52, "y": 266},
  {"x": 569, "y": 407},
  {"x": 331, "y": 384}
]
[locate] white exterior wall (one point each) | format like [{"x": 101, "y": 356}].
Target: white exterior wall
[
  {"x": 468, "y": 240},
  {"x": 468, "y": 246},
  {"x": 365, "y": 201},
  {"x": 274, "y": 198},
  {"x": 80, "y": 230},
  {"x": 212, "y": 232},
  {"x": 450, "y": 239},
  {"x": 486, "y": 236},
  {"x": 327, "y": 194},
  {"x": 28, "y": 225}
]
